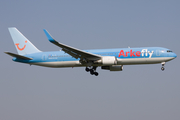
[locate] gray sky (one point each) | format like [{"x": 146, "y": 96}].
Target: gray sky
[{"x": 139, "y": 92}]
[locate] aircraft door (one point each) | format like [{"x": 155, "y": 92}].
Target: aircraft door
[
  {"x": 44, "y": 57},
  {"x": 158, "y": 52}
]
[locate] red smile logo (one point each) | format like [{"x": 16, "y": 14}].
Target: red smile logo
[{"x": 17, "y": 44}]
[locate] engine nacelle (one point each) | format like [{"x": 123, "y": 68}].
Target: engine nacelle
[
  {"x": 107, "y": 60},
  {"x": 113, "y": 67}
]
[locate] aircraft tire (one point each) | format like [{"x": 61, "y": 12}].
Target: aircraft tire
[
  {"x": 96, "y": 73},
  {"x": 87, "y": 69},
  {"x": 92, "y": 71},
  {"x": 162, "y": 68}
]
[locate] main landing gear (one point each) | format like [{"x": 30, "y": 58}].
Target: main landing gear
[
  {"x": 92, "y": 70},
  {"x": 162, "y": 68}
]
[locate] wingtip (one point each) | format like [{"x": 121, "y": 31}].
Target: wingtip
[
  {"x": 6, "y": 52},
  {"x": 9, "y": 28},
  {"x": 50, "y": 38},
  {"x": 44, "y": 30}
]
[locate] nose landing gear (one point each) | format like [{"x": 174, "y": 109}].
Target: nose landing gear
[
  {"x": 162, "y": 68},
  {"x": 92, "y": 70}
]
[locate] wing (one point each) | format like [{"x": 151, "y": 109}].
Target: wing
[{"x": 74, "y": 52}]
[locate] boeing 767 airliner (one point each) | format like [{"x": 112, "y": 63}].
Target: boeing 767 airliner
[{"x": 107, "y": 59}]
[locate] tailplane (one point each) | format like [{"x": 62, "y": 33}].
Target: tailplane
[
  {"x": 22, "y": 44},
  {"x": 18, "y": 56}
]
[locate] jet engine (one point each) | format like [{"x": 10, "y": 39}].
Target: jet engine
[
  {"x": 107, "y": 60},
  {"x": 113, "y": 67}
]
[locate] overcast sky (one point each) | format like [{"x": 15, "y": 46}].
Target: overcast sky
[{"x": 139, "y": 92}]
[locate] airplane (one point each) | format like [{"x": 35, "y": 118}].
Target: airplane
[{"x": 107, "y": 59}]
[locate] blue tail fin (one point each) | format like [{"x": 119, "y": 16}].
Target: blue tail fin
[{"x": 22, "y": 44}]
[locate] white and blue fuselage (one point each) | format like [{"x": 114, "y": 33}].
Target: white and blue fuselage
[
  {"x": 125, "y": 56},
  {"x": 108, "y": 59}
]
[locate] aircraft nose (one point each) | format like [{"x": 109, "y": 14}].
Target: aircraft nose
[{"x": 175, "y": 55}]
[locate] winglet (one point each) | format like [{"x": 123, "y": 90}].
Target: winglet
[{"x": 50, "y": 38}]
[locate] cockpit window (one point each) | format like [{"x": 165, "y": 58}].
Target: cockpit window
[{"x": 169, "y": 51}]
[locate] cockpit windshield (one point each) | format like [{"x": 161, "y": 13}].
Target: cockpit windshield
[{"x": 169, "y": 51}]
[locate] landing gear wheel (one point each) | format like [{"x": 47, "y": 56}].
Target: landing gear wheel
[
  {"x": 87, "y": 69},
  {"x": 92, "y": 71},
  {"x": 162, "y": 68},
  {"x": 163, "y": 64},
  {"x": 96, "y": 73}
]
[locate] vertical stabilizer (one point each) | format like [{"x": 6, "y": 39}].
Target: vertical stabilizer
[{"x": 22, "y": 44}]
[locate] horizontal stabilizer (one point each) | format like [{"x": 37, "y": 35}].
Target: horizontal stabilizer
[{"x": 18, "y": 56}]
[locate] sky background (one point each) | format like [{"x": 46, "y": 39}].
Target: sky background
[{"x": 139, "y": 92}]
